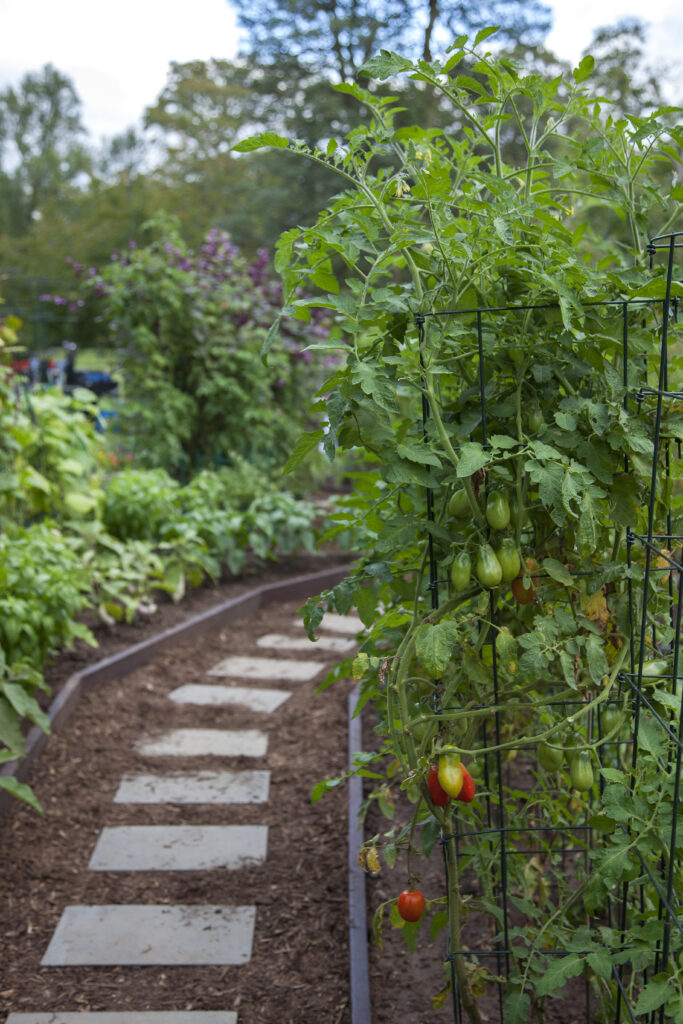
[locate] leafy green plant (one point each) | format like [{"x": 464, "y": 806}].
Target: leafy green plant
[
  {"x": 466, "y": 275},
  {"x": 188, "y": 327}
]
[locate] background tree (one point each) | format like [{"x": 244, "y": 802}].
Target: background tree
[{"x": 42, "y": 129}]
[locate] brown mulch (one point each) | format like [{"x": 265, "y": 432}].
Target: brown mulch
[
  {"x": 299, "y": 972},
  {"x": 299, "y": 968}
]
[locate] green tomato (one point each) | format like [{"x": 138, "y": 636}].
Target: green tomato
[
  {"x": 421, "y": 730},
  {"x": 459, "y": 505},
  {"x": 581, "y": 772},
  {"x": 487, "y": 567},
  {"x": 535, "y": 420},
  {"x": 508, "y": 556},
  {"x": 497, "y": 510},
  {"x": 550, "y": 758},
  {"x": 516, "y": 355},
  {"x": 655, "y": 669},
  {"x": 609, "y": 720},
  {"x": 572, "y": 750},
  {"x": 461, "y": 570},
  {"x": 516, "y": 518}
]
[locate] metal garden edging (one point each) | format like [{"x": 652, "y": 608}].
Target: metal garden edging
[{"x": 124, "y": 662}]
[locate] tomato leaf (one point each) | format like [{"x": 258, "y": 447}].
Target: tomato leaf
[
  {"x": 385, "y": 65},
  {"x": 584, "y": 69},
  {"x": 597, "y": 661},
  {"x": 654, "y": 994},
  {"x": 434, "y": 646},
  {"x": 558, "y": 973},
  {"x": 471, "y": 458},
  {"x": 558, "y": 572},
  {"x": 261, "y": 141},
  {"x": 305, "y": 444}
]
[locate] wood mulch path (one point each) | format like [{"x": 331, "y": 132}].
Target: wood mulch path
[{"x": 299, "y": 971}]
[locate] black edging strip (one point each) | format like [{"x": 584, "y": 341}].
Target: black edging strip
[
  {"x": 126, "y": 661},
  {"x": 358, "y": 935}
]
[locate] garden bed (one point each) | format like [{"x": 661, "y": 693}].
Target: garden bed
[{"x": 299, "y": 968}]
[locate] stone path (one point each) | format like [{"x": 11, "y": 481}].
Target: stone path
[{"x": 120, "y": 934}]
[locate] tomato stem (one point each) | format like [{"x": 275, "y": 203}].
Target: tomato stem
[{"x": 455, "y": 925}]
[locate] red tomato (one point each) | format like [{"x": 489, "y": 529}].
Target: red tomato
[
  {"x": 466, "y": 794},
  {"x": 438, "y": 794},
  {"x": 522, "y": 594},
  {"x": 411, "y": 905}
]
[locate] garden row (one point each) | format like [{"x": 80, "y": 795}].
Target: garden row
[{"x": 83, "y": 540}]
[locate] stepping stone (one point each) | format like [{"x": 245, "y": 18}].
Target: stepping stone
[
  {"x": 202, "y": 788},
  {"x": 205, "y": 742},
  {"x": 349, "y": 624},
  {"x": 113, "y": 935},
  {"x": 179, "y": 847},
  {"x": 334, "y": 644},
  {"x": 127, "y": 1017},
  {"x": 256, "y": 700},
  {"x": 267, "y": 668}
]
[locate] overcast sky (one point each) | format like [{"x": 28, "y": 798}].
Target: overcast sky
[{"x": 118, "y": 54}]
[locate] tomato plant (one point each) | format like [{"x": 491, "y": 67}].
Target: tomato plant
[{"x": 475, "y": 284}]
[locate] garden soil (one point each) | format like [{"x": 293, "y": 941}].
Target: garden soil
[{"x": 299, "y": 971}]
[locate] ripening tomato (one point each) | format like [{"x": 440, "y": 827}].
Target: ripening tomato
[
  {"x": 436, "y": 791},
  {"x": 487, "y": 567},
  {"x": 468, "y": 789},
  {"x": 411, "y": 905},
  {"x": 461, "y": 570},
  {"x": 522, "y": 594},
  {"x": 508, "y": 556},
  {"x": 450, "y": 774},
  {"x": 497, "y": 510}
]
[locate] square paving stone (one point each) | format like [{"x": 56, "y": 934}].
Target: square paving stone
[
  {"x": 157, "y": 935},
  {"x": 349, "y": 624},
  {"x": 200, "y": 788},
  {"x": 204, "y": 742},
  {"x": 331, "y": 644},
  {"x": 179, "y": 847},
  {"x": 267, "y": 668},
  {"x": 128, "y": 1017},
  {"x": 260, "y": 700}
]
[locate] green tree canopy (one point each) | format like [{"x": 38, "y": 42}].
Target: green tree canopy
[{"x": 41, "y": 127}]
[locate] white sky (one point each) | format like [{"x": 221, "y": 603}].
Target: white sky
[{"x": 117, "y": 54}]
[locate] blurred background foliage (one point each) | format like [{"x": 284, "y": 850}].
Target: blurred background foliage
[{"x": 61, "y": 197}]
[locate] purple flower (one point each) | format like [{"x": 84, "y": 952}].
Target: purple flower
[
  {"x": 132, "y": 244},
  {"x": 45, "y": 298}
]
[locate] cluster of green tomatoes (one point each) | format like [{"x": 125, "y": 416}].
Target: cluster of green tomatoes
[{"x": 492, "y": 566}]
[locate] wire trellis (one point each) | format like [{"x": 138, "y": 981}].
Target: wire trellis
[{"x": 656, "y": 720}]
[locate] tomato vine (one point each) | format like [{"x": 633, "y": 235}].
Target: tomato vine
[{"x": 501, "y": 331}]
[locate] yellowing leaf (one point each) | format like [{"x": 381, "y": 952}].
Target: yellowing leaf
[{"x": 596, "y": 608}]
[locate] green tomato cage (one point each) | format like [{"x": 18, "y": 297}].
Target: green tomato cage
[{"x": 580, "y": 887}]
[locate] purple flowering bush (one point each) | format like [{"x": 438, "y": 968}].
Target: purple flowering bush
[{"x": 188, "y": 327}]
